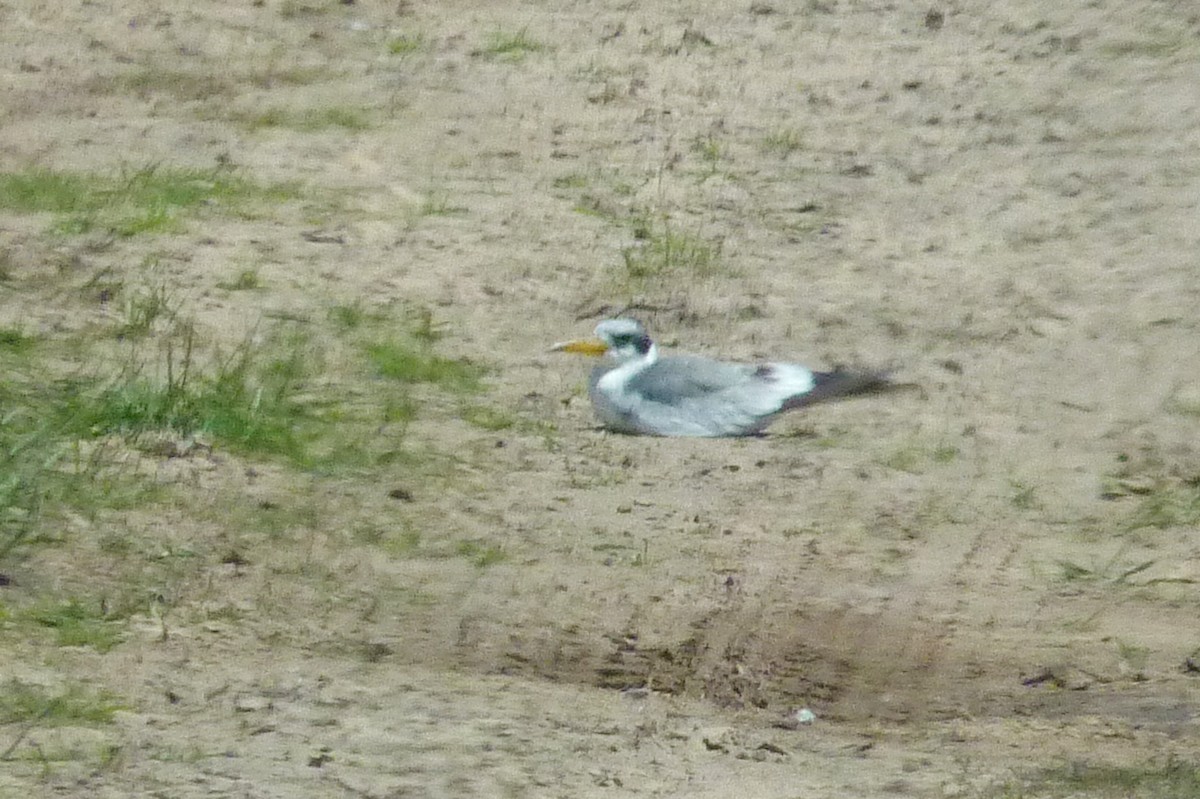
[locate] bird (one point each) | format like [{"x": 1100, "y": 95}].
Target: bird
[{"x": 641, "y": 392}]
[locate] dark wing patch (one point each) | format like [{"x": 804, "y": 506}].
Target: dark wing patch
[
  {"x": 841, "y": 383},
  {"x": 766, "y": 372}
]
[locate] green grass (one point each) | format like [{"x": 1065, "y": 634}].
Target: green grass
[
  {"x": 481, "y": 555},
  {"x": 73, "y": 705},
  {"x": 437, "y": 203},
  {"x": 59, "y": 435},
  {"x": 402, "y": 543},
  {"x": 1024, "y": 496},
  {"x": 915, "y": 456},
  {"x": 74, "y": 624},
  {"x": 573, "y": 180},
  {"x": 44, "y": 468},
  {"x": 783, "y": 142},
  {"x": 489, "y": 418},
  {"x": 1113, "y": 571},
  {"x": 276, "y": 520},
  {"x": 410, "y": 360},
  {"x": 710, "y": 150},
  {"x": 407, "y": 44},
  {"x": 14, "y": 340},
  {"x": 664, "y": 251},
  {"x": 1167, "y": 506},
  {"x": 199, "y": 86},
  {"x": 511, "y": 46},
  {"x": 143, "y": 306},
  {"x": 76, "y": 441},
  {"x": 153, "y": 199},
  {"x": 247, "y": 402},
  {"x": 245, "y": 280},
  {"x": 307, "y": 121},
  {"x": 44, "y": 190},
  {"x": 347, "y": 318}
]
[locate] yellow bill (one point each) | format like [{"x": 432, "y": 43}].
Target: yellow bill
[{"x": 586, "y": 346}]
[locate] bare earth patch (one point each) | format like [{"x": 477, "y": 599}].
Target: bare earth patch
[{"x": 296, "y": 503}]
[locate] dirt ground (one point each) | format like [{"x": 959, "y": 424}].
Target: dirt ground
[{"x": 960, "y": 581}]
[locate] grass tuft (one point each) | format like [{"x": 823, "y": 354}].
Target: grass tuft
[
  {"x": 74, "y": 705},
  {"x": 353, "y": 316},
  {"x": 1114, "y": 571},
  {"x": 143, "y": 307},
  {"x": 1167, "y": 506},
  {"x": 481, "y": 555},
  {"x": 488, "y": 418},
  {"x": 308, "y": 121},
  {"x": 783, "y": 142},
  {"x": 407, "y": 44},
  {"x": 664, "y": 251},
  {"x": 511, "y": 46},
  {"x": 75, "y": 624},
  {"x": 152, "y": 199},
  {"x": 245, "y": 280},
  {"x": 411, "y": 360},
  {"x": 243, "y": 403},
  {"x": 14, "y": 340}
]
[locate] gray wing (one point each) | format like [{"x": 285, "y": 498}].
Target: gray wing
[{"x": 674, "y": 380}]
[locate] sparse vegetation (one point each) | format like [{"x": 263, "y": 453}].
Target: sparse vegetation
[
  {"x": 145, "y": 305},
  {"x": 663, "y": 251},
  {"x": 245, "y": 280},
  {"x": 783, "y": 142},
  {"x": 14, "y": 340},
  {"x": 480, "y": 554},
  {"x": 407, "y": 44},
  {"x": 917, "y": 455},
  {"x": 437, "y": 203},
  {"x": 409, "y": 360},
  {"x": 1175, "y": 779},
  {"x": 488, "y": 418},
  {"x": 308, "y": 121},
  {"x": 74, "y": 624},
  {"x": 71, "y": 705},
  {"x": 152, "y": 199},
  {"x": 1024, "y": 495},
  {"x": 1167, "y": 505},
  {"x": 511, "y": 46},
  {"x": 348, "y": 317},
  {"x": 247, "y": 402},
  {"x": 57, "y": 436},
  {"x": 574, "y": 180},
  {"x": 1115, "y": 570},
  {"x": 710, "y": 150}
]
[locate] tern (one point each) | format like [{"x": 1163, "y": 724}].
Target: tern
[{"x": 643, "y": 393}]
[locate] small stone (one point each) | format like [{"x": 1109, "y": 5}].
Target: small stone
[{"x": 797, "y": 718}]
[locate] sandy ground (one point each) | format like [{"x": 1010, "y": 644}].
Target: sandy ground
[{"x": 999, "y": 198}]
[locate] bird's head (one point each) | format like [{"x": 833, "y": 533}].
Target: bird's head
[{"x": 623, "y": 340}]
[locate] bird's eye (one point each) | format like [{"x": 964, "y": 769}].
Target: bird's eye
[{"x": 640, "y": 343}]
